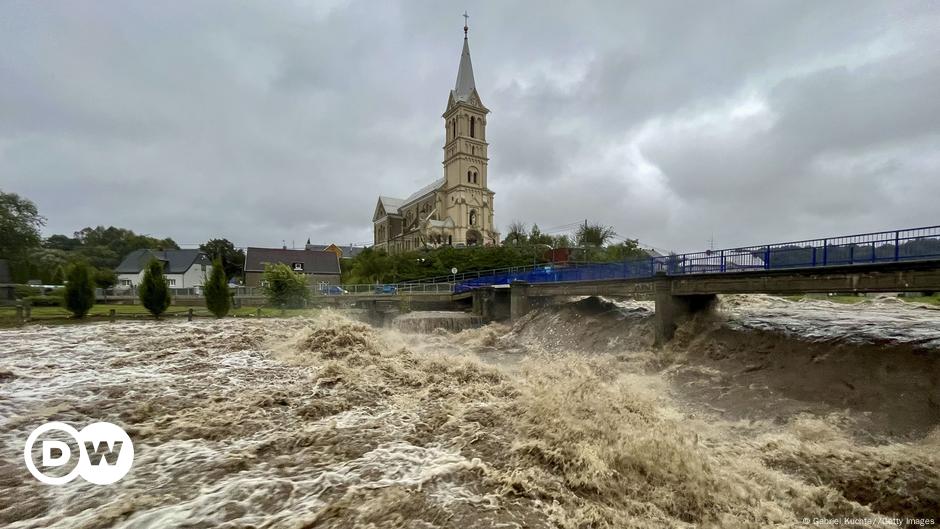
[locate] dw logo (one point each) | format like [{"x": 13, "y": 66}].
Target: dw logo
[{"x": 106, "y": 453}]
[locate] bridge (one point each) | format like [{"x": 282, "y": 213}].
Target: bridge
[{"x": 682, "y": 284}]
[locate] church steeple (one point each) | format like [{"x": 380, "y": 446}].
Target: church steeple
[{"x": 465, "y": 84}]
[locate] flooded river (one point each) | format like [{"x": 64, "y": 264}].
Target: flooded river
[{"x": 771, "y": 413}]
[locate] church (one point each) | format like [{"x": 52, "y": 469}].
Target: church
[{"x": 456, "y": 209}]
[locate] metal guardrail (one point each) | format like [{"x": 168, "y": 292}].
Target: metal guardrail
[
  {"x": 880, "y": 247},
  {"x": 127, "y": 293}
]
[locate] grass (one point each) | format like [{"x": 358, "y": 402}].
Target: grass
[{"x": 100, "y": 312}]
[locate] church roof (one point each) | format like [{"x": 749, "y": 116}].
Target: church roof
[
  {"x": 391, "y": 205},
  {"x": 465, "y": 83},
  {"x": 423, "y": 191}
]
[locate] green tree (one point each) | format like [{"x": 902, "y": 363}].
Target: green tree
[
  {"x": 105, "y": 278},
  {"x": 515, "y": 233},
  {"x": 370, "y": 266},
  {"x": 215, "y": 289},
  {"x": 594, "y": 235},
  {"x": 58, "y": 276},
  {"x": 625, "y": 251},
  {"x": 537, "y": 237},
  {"x": 154, "y": 291},
  {"x": 19, "y": 225},
  {"x": 79, "y": 290},
  {"x": 233, "y": 259},
  {"x": 283, "y": 287}
]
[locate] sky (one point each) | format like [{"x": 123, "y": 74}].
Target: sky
[{"x": 681, "y": 124}]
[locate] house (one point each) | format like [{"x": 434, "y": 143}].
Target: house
[
  {"x": 320, "y": 266},
  {"x": 343, "y": 252},
  {"x": 181, "y": 268}
]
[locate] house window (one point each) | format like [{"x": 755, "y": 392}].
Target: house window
[
  {"x": 125, "y": 282},
  {"x": 171, "y": 282},
  {"x": 297, "y": 267}
]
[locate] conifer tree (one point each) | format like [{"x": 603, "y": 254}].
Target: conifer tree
[
  {"x": 216, "y": 291},
  {"x": 79, "y": 290},
  {"x": 154, "y": 292}
]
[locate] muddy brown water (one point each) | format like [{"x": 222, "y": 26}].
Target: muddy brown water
[{"x": 769, "y": 414}]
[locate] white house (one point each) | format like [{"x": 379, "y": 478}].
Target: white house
[{"x": 182, "y": 268}]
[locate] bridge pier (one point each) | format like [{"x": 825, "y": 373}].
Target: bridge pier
[
  {"x": 672, "y": 310},
  {"x": 518, "y": 300}
]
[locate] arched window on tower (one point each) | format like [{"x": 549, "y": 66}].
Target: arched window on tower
[
  {"x": 472, "y": 127},
  {"x": 474, "y": 177},
  {"x": 453, "y": 126},
  {"x": 469, "y": 177}
]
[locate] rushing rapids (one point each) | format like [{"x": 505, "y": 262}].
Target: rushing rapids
[{"x": 774, "y": 413}]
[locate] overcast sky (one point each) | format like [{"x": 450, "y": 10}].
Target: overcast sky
[{"x": 674, "y": 122}]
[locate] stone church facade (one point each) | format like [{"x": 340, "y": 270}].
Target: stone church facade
[{"x": 457, "y": 209}]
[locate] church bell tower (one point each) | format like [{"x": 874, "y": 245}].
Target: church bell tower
[{"x": 466, "y": 157}]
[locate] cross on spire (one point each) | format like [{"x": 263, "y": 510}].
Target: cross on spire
[{"x": 466, "y": 19}]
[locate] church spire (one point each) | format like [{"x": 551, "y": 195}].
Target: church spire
[{"x": 465, "y": 84}]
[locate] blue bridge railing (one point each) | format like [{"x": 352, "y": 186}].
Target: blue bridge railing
[{"x": 881, "y": 247}]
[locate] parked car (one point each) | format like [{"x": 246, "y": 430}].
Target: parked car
[
  {"x": 332, "y": 290},
  {"x": 386, "y": 289}
]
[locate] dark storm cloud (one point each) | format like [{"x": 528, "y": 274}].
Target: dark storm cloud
[{"x": 263, "y": 122}]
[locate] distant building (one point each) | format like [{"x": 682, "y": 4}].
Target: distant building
[
  {"x": 457, "y": 209},
  {"x": 182, "y": 268},
  {"x": 343, "y": 252},
  {"x": 320, "y": 266}
]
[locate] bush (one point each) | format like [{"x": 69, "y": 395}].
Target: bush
[
  {"x": 215, "y": 288},
  {"x": 43, "y": 301},
  {"x": 79, "y": 290},
  {"x": 25, "y": 291},
  {"x": 283, "y": 287},
  {"x": 154, "y": 292}
]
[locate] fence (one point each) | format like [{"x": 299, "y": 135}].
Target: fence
[
  {"x": 888, "y": 246},
  {"x": 132, "y": 293}
]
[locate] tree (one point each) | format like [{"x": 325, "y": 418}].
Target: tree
[
  {"x": 595, "y": 235},
  {"x": 284, "y": 287},
  {"x": 58, "y": 277},
  {"x": 537, "y": 237},
  {"x": 215, "y": 289},
  {"x": 79, "y": 290},
  {"x": 154, "y": 292},
  {"x": 370, "y": 266},
  {"x": 515, "y": 233},
  {"x": 233, "y": 259},
  {"x": 105, "y": 278},
  {"x": 19, "y": 225}
]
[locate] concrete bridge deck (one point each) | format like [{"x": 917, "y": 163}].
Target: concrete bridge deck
[{"x": 677, "y": 297}]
